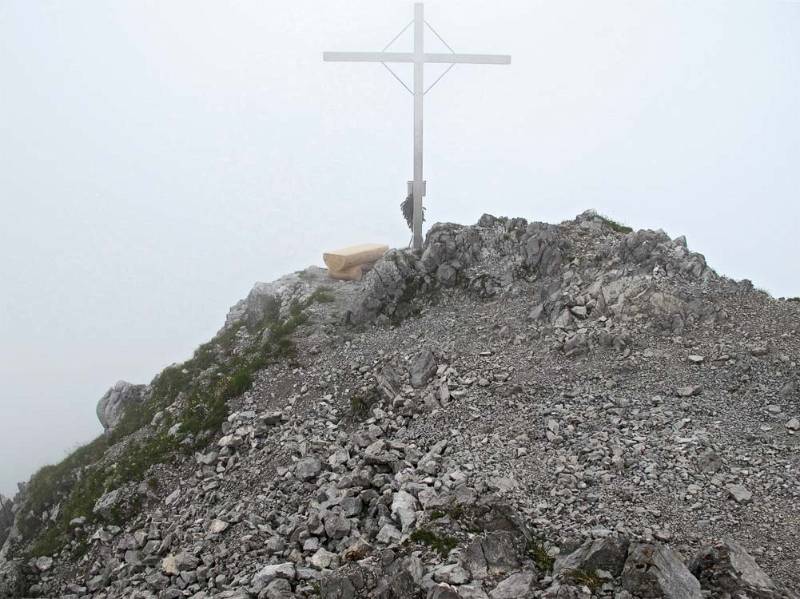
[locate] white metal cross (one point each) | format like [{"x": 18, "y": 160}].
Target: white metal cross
[{"x": 418, "y": 57}]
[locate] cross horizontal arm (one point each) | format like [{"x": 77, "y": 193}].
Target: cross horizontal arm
[
  {"x": 368, "y": 57},
  {"x": 409, "y": 57},
  {"x": 469, "y": 58}
]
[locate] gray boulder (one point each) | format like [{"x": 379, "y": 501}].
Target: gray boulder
[
  {"x": 726, "y": 566},
  {"x": 654, "y": 571},
  {"x": 604, "y": 554},
  {"x": 267, "y": 574},
  {"x": 516, "y": 586},
  {"x": 108, "y": 506},
  {"x": 308, "y": 468},
  {"x": 337, "y": 587},
  {"x": 496, "y": 553},
  {"x": 111, "y": 407},
  {"x": 6, "y": 518},
  {"x": 443, "y": 591},
  {"x": 12, "y": 580},
  {"x": 422, "y": 368}
]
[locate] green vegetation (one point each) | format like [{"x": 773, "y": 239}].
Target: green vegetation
[
  {"x": 454, "y": 512},
  {"x": 362, "y": 401},
  {"x": 82, "y": 478},
  {"x": 614, "y": 225},
  {"x": 442, "y": 545},
  {"x": 322, "y": 295},
  {"x": 587, "y": 578},
  {"x": 538, "y": 553}
]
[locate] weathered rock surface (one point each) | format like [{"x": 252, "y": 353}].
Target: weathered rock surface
[
  {"x": 725, "y": 567},
  {"x": 116, "y": 400},
  {"x": 657, "y": 571}
]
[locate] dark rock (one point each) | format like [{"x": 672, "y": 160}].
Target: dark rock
[
  {"x": 607, "y": 554},
  {"x": 726, "y": 566},
  {"x": 443, "y": 591},
  {"x": 653, "y": 571},
  {"x": 12, "y": 579},
  {"x": 337, "y": 587},
  {"x": 496, "y": 553},
  {"x": 422, "y": 368}
]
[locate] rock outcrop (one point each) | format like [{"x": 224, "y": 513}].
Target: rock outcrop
[
  {"x": 523, "y": 410},
  {"x": 112, "y": 406},
  {"x": 6, "y": 518}
]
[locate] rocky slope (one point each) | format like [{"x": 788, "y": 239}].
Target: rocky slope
[{"x": 524, "y": 410}]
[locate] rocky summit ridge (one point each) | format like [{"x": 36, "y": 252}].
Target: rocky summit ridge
[{"x": 522, "y": 410}]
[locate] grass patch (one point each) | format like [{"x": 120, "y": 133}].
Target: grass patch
[
  {"x": 443, "y": 545},
  {"x": 614, "y": 225},
  {"x": 323, "y": 295},
  {"x": 588, "y": 578},
  {"x": 454, "y": 512},
  {"x": 77, "y": 482},
  {"x": 538, "y": 553},
  {"x": 362, "y": 402}
]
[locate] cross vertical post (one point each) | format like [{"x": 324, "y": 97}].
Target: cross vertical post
[
  {"x": 419, "y": 94},
  {"x": 418, "y": 58}
]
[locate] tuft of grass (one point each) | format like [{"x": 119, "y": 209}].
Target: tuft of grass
[
  {"x": 323, "y": 295},
  {"x": 588, "y": 578},
  {"x": 456, "y": 512},
  {"x": 614, "y": 225},
  {"x": 362, "y": 402},
  {"x": 538, "y": 553},
  {"x": 443, "y": 545}
]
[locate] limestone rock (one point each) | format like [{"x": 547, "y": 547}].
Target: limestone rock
[
  {"x": 726, "y": 566},
  {"x": 269, "y": 573},
  {"x": 422, "y": 368},
  {"x": 308, "y": 468},
  {"x": 495, "y": 554},
  {"x": 108, "y": 505},
  {"x": 112, "y": 406},
  {"x": 607, "y": 554},
  {"x": 516, "y": 586},
  {"x": 653, "y": 571}
]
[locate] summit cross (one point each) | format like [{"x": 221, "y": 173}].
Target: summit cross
[{"x": 418, "y": 58}]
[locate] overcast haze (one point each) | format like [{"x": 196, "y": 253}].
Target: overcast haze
[{"x": 158, "y": 158}]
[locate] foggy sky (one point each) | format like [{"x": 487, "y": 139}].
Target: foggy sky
[{"x": 157, "y": 158}]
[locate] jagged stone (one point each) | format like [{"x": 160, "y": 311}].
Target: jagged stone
[
  {"x": 443, "y": 591},
  {"x": 653, "y": 571},
  {"x": 726, "y": 566},
  {"x": 109, "y": 504},
  {"x": 308, "y": 468},
  {"x": 404, "y": 509},
  {"x": 337, "y": 587},
  {"x": 12, "y": 579},
  {"x": 606, "y": 554},
  {"x": 422, "y": 368},
  {"x": 267, "y": 574},
  {"x": 111, "y": 407},
  {"x": 516, "y": 586}
]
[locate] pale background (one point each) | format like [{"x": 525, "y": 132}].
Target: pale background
[{"x": 159, "y": 157}]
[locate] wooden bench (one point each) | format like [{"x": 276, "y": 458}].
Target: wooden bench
[{"x": 349, "y": 264}]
